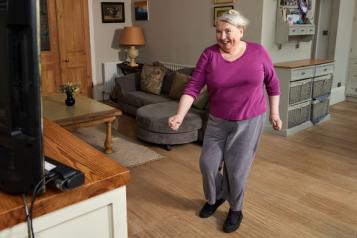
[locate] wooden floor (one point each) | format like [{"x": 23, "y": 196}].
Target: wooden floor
[{"x": 304, "y": 185}]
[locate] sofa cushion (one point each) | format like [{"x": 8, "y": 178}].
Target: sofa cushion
[
  {"x": 139, "y": 99},
  {"x": 166, "y": 85},
  {"x": 178, "y": 84},
  {"x": 154, "y": 118},
  {"x": 202, "y": 99},
  {"x": 158, "y": 63},
  {"x": 151, "y": 79}
]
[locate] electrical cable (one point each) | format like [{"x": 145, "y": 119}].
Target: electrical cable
[
  {"x": 28, "y": 210},
  {"x": 27, "y": 215}
]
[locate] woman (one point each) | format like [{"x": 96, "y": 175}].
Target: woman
[{"x": 235, "y": 73}]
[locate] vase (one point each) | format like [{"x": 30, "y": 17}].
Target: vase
[{"x": 70, "y": 101}]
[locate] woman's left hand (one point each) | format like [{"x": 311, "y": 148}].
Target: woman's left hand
[{"x": 275, "y": 121}]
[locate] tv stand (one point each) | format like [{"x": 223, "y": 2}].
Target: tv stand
[{"x": 95, "y": 209}]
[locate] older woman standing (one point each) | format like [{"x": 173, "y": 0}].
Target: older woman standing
[{"x": 235, "y": 73}]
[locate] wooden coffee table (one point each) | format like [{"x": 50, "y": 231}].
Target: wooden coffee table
[{"x": 85, "y": 113}]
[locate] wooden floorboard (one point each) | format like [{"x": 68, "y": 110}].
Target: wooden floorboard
[{"x": 304, "y": 185}]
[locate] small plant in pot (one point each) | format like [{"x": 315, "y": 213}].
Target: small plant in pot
[{"x": 70, "y": 89}]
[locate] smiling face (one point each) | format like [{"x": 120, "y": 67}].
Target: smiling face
[{"x": 228, "y": 36}]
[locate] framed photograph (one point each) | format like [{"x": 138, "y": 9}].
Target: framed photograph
[
  {"x": 223, "y": 1},
  {"x": 219, "y": 11},
  {"x": 113, "y": 12},
  {"x": 141, "y": 10}
]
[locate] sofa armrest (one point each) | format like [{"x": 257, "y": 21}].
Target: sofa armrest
[{"x": 125, "y": 84}]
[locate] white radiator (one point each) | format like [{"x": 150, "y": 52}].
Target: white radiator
[
  {"x": 110, "y": 72},
  {"x": 174, "y": 66}
]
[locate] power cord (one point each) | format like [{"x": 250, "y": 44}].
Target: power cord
[
  {"x": 27, "y": 215},
  {"x": 28, "y": 210}
]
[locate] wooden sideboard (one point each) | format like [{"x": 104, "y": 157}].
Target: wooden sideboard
[{"x": 95, "y": 209}]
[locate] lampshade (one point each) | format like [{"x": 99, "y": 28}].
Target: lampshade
[{"x": 132, "y": 35}]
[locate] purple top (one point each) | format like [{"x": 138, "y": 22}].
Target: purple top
[{"x": 236, "y": 89}]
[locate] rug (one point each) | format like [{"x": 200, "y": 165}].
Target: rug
[{"x": 126, "y": 151}]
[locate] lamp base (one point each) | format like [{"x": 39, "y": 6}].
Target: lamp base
[
  {"x": 132, "y": 63},
  {"x": 133, "y": 54}
]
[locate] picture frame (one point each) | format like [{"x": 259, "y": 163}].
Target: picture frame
[
  {"x": 113, "y": 12},
  {"x": 141, "y": 10},
  {"x": 223, "y": 1},
  {"x": 217, "y": 11}
]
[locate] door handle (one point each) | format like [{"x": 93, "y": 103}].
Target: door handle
[{"x": 66, "y": 60}]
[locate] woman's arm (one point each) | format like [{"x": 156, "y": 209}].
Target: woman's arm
[
  {"x": 274, "y": 116},
  {"x": 185, "y": 103}
]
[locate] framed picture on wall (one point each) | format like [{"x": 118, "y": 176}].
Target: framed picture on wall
[
  {"x": 219, "y": 11},
  {"x": 113, "y": 12},
  {"x": 141, "y": 10},
  {"x": 223, "y": 1}
]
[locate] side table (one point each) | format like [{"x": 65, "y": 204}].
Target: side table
[{"x": 126, "y": 69}]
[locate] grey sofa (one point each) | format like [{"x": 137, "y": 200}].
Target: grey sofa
[{"x": 152, "y": 111}]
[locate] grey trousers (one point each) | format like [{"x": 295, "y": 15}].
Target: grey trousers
[{"x": 234, "y": 143}]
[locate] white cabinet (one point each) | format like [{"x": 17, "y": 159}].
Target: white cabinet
[
  {"x": 305, "y": 89},
  {"x": 100, "y": 216},
  {"x": 293, "y": 23}
]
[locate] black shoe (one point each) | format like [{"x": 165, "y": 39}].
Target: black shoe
[
  {"x": 232, "y": 221},
  {"x": 207, "y": 210}
]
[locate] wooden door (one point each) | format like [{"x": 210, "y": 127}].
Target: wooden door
[
  {"x": 73, "y": 41},
  {"x": 50, "y": 68}
]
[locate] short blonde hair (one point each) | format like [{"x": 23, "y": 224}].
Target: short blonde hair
[{"x": 234, "y": 18}]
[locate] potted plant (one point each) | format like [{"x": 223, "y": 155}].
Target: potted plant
[{"x": 69, "y": 89}]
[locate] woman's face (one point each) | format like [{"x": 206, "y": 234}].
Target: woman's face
[{"x": 228, "y": 36}]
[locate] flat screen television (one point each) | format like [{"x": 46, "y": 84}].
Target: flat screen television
[{"x": 21, "y": 146}]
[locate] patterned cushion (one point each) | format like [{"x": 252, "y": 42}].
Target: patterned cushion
[
  {"x": 202, "y": 99},
  {"x": 151, "y": 79},
  {"x": 178, "y": 85}
]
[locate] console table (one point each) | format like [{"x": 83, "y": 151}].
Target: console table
[{"x": 95, "y": 209}]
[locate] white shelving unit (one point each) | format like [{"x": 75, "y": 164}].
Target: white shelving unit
[
  {"x": 290, "y": 25},
  {"x": 305, "y": 88}
]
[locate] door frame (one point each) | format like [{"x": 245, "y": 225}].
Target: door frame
[
  {"x": 332, "y": 30},
  {"x": 91, "y": 43}
]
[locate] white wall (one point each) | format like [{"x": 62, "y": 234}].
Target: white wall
[
  {"x": 343, "y": 41},
  {"x": 104, "y": 37},
  {"x": 342, "y": 49},
  {"x": 288, "y": 51},
  {"x": 178, "y": 30},
  {"x": 323, "y": 24}
]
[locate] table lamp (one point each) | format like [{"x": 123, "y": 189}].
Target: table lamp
[{"x": 132, "y": 36}]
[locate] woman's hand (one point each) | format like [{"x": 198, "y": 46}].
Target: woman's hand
[
  {"x": 175, "y": 122},
  {"x": 275, "y": 121}
]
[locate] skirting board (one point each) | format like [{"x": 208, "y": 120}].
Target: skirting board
[
  {"x": 351, "y": 99},
  {"x": 338, "y": 95}
]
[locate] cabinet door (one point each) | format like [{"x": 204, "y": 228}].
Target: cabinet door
[{"x": 73, "y": 32}]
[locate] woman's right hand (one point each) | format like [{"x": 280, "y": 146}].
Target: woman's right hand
[{"x": 175, "y": 122}]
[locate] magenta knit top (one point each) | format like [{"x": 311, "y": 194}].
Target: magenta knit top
[{"x": 236, "y": 89}]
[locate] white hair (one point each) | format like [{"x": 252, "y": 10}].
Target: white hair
[{"x": 234, "y": 18}]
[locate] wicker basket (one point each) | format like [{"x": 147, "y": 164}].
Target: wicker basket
[
  {"x": 321, "y": 86},
  {"x": 320, "y": 108},
  {"x": 299, "y": 113},
  {"x": 300, "y": 91}
]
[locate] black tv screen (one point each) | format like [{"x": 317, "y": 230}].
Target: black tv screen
[{"x": 21, "y": 148}]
